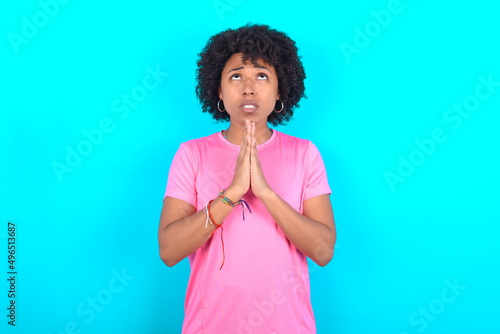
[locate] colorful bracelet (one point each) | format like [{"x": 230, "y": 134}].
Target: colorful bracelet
[
  {"x": 212, "y": 221},
  {"x": 241, "y": 202}
]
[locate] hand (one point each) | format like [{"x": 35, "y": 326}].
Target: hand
[
  {"x": 241, "y": 179},
  {"x": 258, "y": 182}
]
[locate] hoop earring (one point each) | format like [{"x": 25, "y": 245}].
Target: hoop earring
[
  {"x": 218, "y": 106},
  {"x": 282, "y": 106}
]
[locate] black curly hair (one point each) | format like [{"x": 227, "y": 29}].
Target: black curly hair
[{"x": 254, "y": 42}]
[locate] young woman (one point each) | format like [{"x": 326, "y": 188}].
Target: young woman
[{"x": 248, "y": 204}]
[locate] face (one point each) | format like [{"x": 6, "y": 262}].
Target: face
[{"x": 249, "y": 91}]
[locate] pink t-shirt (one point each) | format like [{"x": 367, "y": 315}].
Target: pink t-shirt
[{"x": 263, "y": 286}]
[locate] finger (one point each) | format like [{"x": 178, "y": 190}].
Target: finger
[
  {"x": 244, "y": 147},
  {"x": 254, "y": 148},
  {"x": 249, "y": 137},
  {"x": 244, "y": 135},
  {"x": 246, "y": 142},
  {"x": 254, "y": 159}
]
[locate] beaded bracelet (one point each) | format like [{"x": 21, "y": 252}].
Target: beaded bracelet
[{"x": 241, "y": 202}]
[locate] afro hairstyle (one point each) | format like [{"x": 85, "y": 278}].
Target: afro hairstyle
[{"x": 254, "y": 42}]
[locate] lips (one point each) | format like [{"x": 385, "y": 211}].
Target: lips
[{"x": 249, "y": 106}]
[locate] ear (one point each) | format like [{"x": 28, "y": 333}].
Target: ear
[
  {"x": 220, "y": 94},
  {"x": 278, "y": 97}
]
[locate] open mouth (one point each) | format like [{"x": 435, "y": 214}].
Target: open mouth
[{"x": 249, "y": 106}]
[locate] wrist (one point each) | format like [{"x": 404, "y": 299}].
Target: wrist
[
  {"x": 233, "y": 193},
  {"x": 267, "y": 195}
]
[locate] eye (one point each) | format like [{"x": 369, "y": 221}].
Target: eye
[
  {"x": 262, "y": 76},
  {"x": 235, "y": 76}
]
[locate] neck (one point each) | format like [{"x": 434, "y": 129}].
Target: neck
[{"x": 234, "y": 134}]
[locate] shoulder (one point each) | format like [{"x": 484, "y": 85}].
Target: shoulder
[
  {"x": 190, "y": 152},
  {"x": 199, "y": 143},
  {"x": 295, "y": 143},
  {"x": 202, "y": 140},
  {"x": 291, "y": 139}
]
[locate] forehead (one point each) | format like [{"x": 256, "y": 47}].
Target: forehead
[{"x": 236, "y": 60}]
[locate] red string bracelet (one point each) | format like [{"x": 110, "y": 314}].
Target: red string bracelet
[{"x": 221, "y": 232}]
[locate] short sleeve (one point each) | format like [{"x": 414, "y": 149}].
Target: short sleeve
[
  {"x": 317, "y": 181},
  {"x": 181, "y": 182}
]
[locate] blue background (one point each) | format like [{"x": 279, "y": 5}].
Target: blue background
[{"x": 87, "y": 234}]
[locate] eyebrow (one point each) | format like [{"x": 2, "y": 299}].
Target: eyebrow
[
  {"x": 235, "y": 69},
  {"x": 242, "y": 67}
]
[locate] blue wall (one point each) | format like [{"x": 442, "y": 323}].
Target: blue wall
[{"x": 403, "y": 103}]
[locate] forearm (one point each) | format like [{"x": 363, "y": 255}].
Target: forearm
[
  {"x": 184, "y": 236},
  {"x": 314, "y": 239}
]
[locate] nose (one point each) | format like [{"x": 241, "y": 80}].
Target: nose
[{"x": 248, "y": 88}]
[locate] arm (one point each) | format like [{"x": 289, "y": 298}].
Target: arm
[
  {"x": 182, "y": 230},
  {"x": 313, "y": 232}
]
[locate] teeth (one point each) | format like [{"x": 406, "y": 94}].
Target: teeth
[{"x": 248, "y": 106}]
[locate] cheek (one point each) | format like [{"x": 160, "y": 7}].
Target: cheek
[
  {"x": 273, "y": 93},
  {"x": 224, "y": 91},
  {"x": 229, "y": 87},
  {"x": 274, "y": 90}
]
